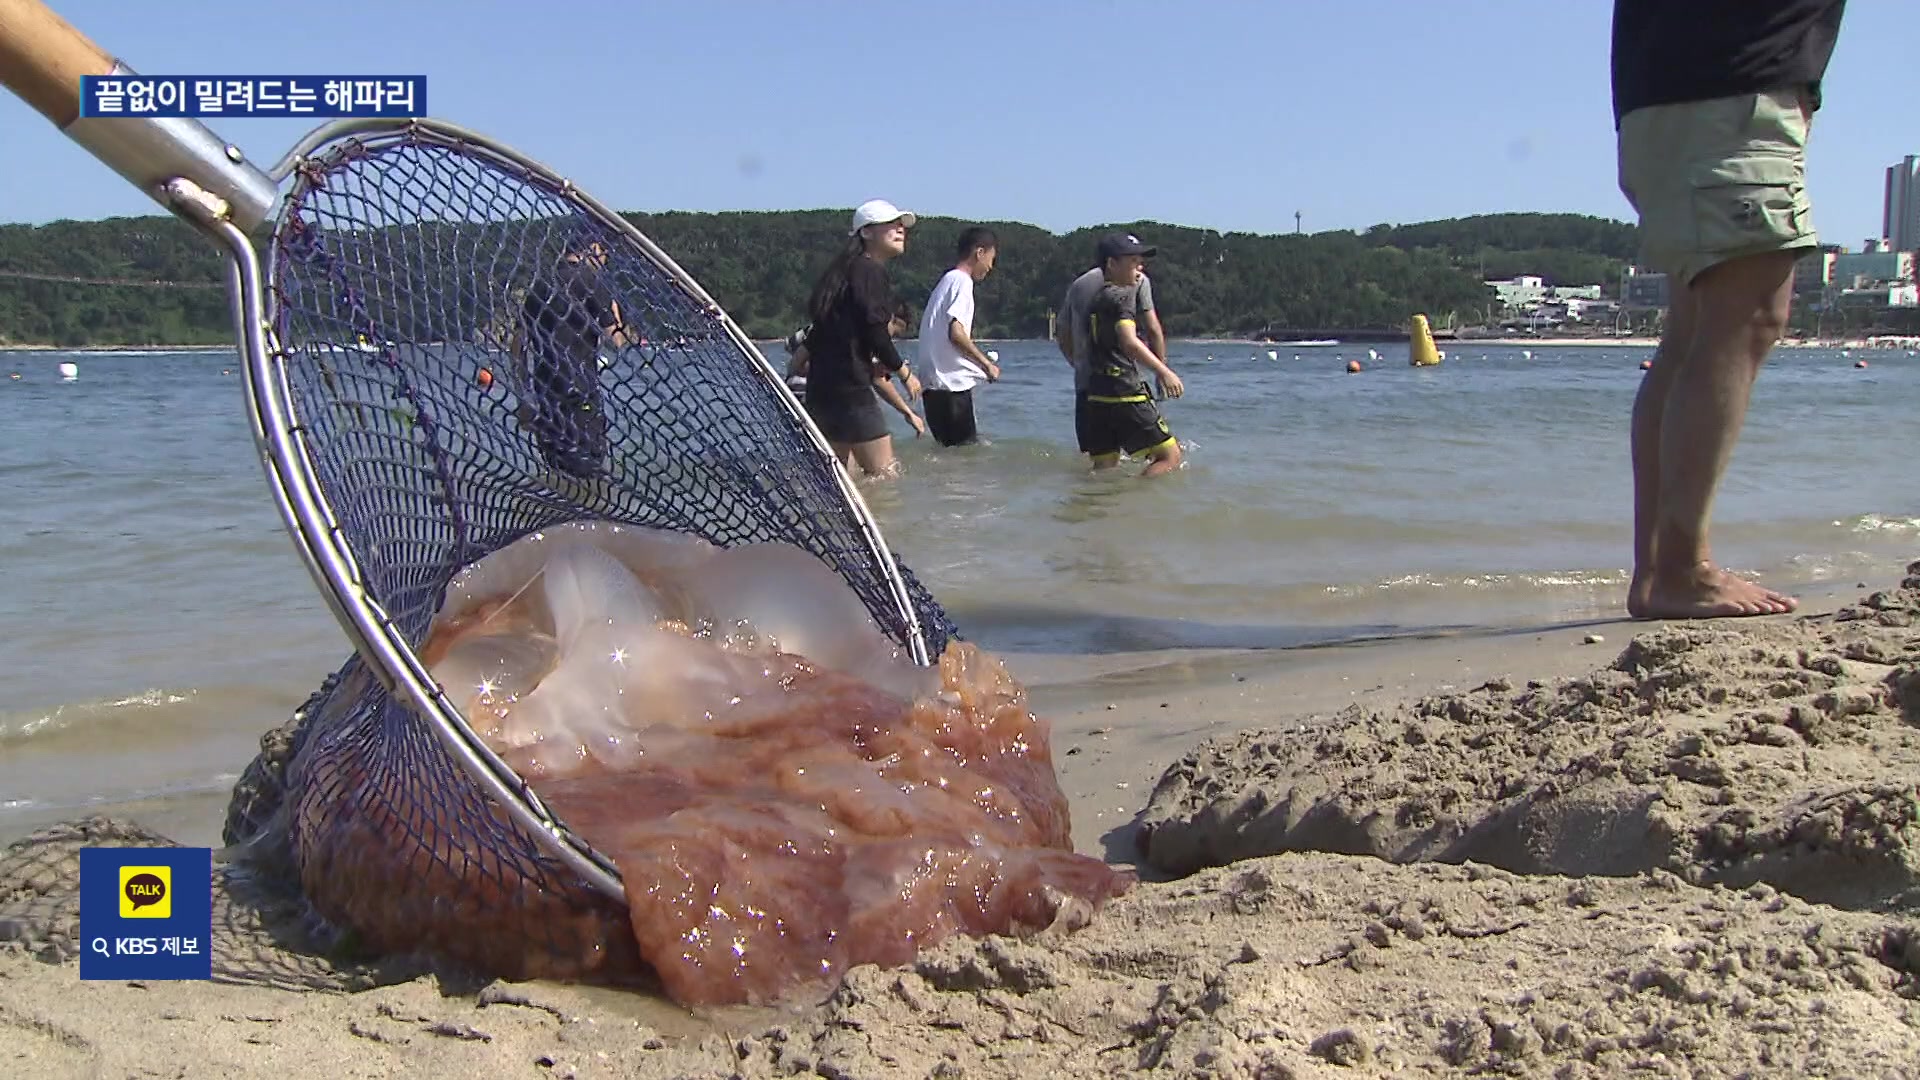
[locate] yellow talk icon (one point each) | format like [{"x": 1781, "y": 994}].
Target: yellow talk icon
[{"x": 146, "y": 892}]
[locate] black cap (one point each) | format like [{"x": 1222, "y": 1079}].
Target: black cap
[{"x": 1114, "y": 245}]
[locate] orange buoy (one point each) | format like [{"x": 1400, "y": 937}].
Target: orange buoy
[
  {"x": 485, "y": 377},
  {"x": 1646, "y": 365},
  {"x": 1353, "y": 367}
]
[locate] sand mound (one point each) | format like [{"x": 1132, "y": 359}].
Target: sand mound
[{"x": 1785, "y": 752}]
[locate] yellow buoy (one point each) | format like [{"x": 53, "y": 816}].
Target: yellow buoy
[{"x": 1420, "y": 343}]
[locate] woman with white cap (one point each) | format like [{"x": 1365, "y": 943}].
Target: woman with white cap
[{"x": 852, "y": 304}]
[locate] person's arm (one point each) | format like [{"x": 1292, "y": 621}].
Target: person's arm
[
  {"x": 617, "y": 329},
  {"x": 1155, "y": 336},
  {"x": 956, "y": 313},
  {"x": 957, "y": 333},
  {"x": 1136, "y": 350},
  {"x": 868, "y": 283},
  {"x": 1150, "y": 319},
  {"x": 883, "y": 384},
  {"x": 1063, "y": 328}
]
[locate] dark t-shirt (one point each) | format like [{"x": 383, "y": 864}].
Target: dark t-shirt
[
  {"x": 1110, "y": 372},
  {"x": 842, "y": 347},
  {"x": 565, "y": 312},
  {"x": 1670, "y": 51}
]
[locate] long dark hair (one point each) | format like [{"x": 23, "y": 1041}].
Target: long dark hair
[{"x": 832, "y": 284}]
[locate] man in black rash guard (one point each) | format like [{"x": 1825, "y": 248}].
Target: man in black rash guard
[
  {"x": 1713, "y": 101},
  {"x": 568, "y": 313},
  {"x": 851, "y": 306}
]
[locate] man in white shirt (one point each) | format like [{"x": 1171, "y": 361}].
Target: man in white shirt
[{"x": 953, "y": 364}]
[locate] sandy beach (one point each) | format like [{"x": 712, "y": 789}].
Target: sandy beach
[{"x": 1684, "y": 850}]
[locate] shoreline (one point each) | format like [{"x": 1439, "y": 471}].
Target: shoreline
[{"x": 1089, "y": 696}]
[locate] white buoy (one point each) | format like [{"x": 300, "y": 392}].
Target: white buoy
[
  {"x": 1273, "y": 354},
  {"x": 1373, "y": 354},
  {"x": 1526, "y": 354},
  {"x": 993, "y": 355},
  {"x": 69, "y": 371}
]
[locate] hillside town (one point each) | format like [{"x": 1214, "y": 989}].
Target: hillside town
[{"x": 1869, "y": 296}]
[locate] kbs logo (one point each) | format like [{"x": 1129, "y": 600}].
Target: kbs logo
[{"x": 146, "y": 892}]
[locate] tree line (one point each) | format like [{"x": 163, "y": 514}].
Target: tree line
[{"x": 760, "y": 266}]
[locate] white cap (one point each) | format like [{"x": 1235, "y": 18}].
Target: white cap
[{"x": 879, "y": 211}]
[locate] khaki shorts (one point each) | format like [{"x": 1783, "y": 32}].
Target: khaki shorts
[{"x": 1716, "y": 180}]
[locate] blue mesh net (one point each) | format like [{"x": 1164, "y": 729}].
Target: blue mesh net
[{"x": 460, "y": 379}]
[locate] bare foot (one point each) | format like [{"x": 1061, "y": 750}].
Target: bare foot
[
  {"x": 1637, "y": 592},
  {"x": 1704, "y": 592}
]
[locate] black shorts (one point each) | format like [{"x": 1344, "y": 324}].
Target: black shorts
[
  {"x": 1109, "y": 427},
  {"x": 950, "y": 416},
  {"x": 566, "y": 413},
  {"x": 847, "y": 418}
]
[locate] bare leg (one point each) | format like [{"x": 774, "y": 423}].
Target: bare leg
[
  {"x": 1163, "y": 460},
  {"x": 1739, "y": 310},
  {"x": 875, "y": 456},
  {"x": 1649, "y": 409},
  {"x": 1105, "y": 461}
]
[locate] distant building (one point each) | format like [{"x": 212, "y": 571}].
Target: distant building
[
  {"x": 1814, "y": 272},
  {"x": 1879, "y": 296},
  {"x": 1529, "y": 301},
  {"x": 1520, "y": 293},
  {"x": 1860, "y": 270},
  {"x": 1900, "y": 223},
  {"x": 1642, "y": 290}
]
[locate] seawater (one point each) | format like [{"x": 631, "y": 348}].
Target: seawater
[{"x": 154, "y": 619}]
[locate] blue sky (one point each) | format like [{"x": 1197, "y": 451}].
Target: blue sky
[{"x": 1062, "y": 113}]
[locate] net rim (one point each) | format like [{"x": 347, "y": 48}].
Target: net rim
[{"x": 314, "y": 526}]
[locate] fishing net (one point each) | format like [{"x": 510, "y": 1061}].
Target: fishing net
[{"x": 433, "y": 303}]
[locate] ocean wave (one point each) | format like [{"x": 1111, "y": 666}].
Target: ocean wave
[
  {"x": 215, "y": 782},
  {"x": 18, "y": 727},
  {"x": 1881, "y": 523},
  {"x": 1546, "y": 579}
]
